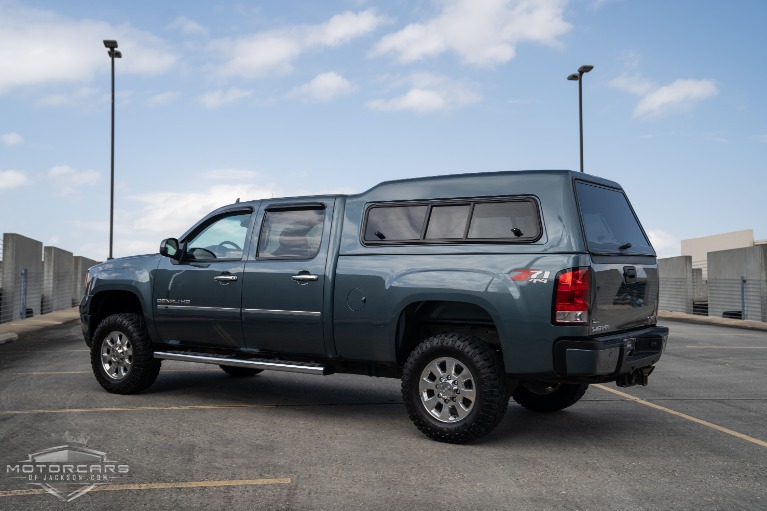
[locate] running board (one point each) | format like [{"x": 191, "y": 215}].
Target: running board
[{"x": 254, "y": 363}]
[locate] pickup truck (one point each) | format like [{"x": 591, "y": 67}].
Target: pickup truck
[{"x": 474, "y": 289}]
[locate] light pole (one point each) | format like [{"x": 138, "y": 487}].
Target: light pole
[
  {"x": 579, "y": 78},
  {"x": 111, "y": 46}
]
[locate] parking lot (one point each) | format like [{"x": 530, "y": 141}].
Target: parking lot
[{"x": 695, "y": 438}]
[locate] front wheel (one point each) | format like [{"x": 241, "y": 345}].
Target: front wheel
[
  {"x": 121, "y": 355},
  {"x": 548, "y": 397},
  {"x": 454, "y": 388}
]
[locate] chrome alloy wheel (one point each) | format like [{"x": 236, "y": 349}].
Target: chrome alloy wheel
[
  {"x": 116, "y": 355},
  {"x": 447, "y": 389}
]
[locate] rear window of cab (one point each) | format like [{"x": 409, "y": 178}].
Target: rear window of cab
[{"x": 512, "y": 220}]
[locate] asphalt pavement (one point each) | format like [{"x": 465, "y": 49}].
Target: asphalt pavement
[{"x": 695, "y": 438}]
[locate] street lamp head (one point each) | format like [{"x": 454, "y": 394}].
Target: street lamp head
[
  {"x": 585, "y": 69},
  {"x": 109, "y": 43},
  {"x": 573, "y": 77}
]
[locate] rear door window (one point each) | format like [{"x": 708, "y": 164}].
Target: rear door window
[
  {"x": 291, "y": 233},
  {"x": 609, "y": 222}
]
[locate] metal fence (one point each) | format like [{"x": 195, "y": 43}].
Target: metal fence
[
  {"x": 26, "y": 294},
  {"x": 741, "y": 298}
]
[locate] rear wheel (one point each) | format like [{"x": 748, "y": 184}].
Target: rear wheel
[
  {"x": 121, "y": 354},
  {"x": 548, "y": 397},
  {"x": 454, "y": 388},
  {"x": 240, "y": 372}
]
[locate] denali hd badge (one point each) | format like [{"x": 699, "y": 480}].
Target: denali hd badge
[{"x": 167, "y": 301}]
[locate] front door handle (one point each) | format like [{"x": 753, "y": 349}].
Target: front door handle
[
  {"x": 225, "y": 278},
  {"x": 305, "y": 277}
]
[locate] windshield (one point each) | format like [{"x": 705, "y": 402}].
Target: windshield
[{"x": 609, "y": 222}]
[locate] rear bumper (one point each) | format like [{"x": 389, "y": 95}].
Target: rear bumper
[{"x": 611, "y": 355}]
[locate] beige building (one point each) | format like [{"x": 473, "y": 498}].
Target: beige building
[{"x": 698, "y": 248}]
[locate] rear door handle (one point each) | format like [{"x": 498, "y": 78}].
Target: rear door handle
[
  {"x": 629, "y": 273},
  {"x": 305, "y": 277},
  {"x": 225, "y": 278}
]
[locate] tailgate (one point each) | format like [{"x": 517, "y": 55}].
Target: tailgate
[
  {"x": 626, "y": 294},
  {"x": 624, "y": 268}
]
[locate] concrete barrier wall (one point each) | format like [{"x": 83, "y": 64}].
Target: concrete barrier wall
[
  {"x": 22, "y": 271},
  {"x": 58, "y": 282},
  {"x": 81, "y": 265},
  {"x": 36, "y": 280},
  {"x": 676, "y": 284},
  {"x": 726, "y": 291}
]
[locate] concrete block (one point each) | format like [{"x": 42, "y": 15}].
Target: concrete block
[
  {"x": 58, "y": 283},
  {"x": 676, "y": 284},
  {"x": 726, "y": 269},
  {"x": 21, "y": 254},
  {"x": 81, "y": 265}
]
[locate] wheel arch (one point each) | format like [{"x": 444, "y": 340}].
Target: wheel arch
[
  {"x": 423, "y": 317},
  {"x": 107, "y": 302}
]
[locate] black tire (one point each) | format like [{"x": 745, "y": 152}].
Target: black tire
[
  {"x": 121, "y": 355},
  {"x": 441, "y": 413},
  {"x": 543, "y": 397},
  {"x": 240, "y": 372}
]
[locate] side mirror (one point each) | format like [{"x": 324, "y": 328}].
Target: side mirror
[{"x": 169, "y": 248}]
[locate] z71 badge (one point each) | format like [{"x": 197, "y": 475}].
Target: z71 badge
[{"x": 534, "y": 276}]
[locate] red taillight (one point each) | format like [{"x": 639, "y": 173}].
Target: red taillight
[{"x": 571, "y": 298}]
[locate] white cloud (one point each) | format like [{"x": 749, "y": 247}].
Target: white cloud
[
  {"x": 164, "y": 214},
  {"x": 480, "y": 32},
  {"x": 40, "y": 47},
  {"x": 428, "y": 93},
  {"x": 659, "y": 101},
  {"x": 679, "y": 96},
  {"x": 188, "y": 26},
  {"x": 324, "y": 87},
  {"x": 10, "y": 179},
  {"x": 762, "y": 139},
  {"x": 216, "y": 98},
  {"x": 665, "y": 244},
  {"x": 633, "y": 83},
  {"x": 69, "y": 182},
  {"x": 164, "y": 98},
  {"x": 12, "y": 139},
  {"x": 274, "y": 51}
]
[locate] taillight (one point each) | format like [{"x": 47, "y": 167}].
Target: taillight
[{"x": 571, "y": 297}]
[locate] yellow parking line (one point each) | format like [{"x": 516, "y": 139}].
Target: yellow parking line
[
  {"x": 685, "y": 416},
  {"x": 132, "y": 409},
  {"x": 38, "y": 373},
  {"x": 730, "y": 347},
  {"x": 162, "y": 486},
  {"x": 44, "y": 351}
]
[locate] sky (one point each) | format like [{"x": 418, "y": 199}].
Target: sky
[{"x": 223, "y": 100}]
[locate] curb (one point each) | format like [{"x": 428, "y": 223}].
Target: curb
[
  {"x": 744, "y": 324},
  {"x": 6, "y": 338}
]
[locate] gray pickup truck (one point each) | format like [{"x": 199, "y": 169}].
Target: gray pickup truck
[{"x": 473, "y": 289}]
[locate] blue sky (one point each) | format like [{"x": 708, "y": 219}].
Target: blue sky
[{"x": 222, "y": 100}]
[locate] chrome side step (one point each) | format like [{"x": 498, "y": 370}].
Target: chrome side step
[{"x": 253, "y": 363}]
